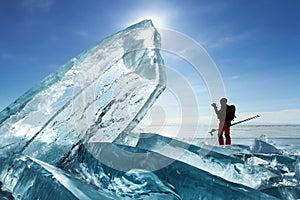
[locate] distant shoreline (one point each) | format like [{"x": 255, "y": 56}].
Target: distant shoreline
[{"x": 249, "y": 125}]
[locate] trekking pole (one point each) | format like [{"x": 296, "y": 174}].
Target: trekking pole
[{"x": 244, "y": 120}]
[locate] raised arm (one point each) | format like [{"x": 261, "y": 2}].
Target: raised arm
[{"x": 214, "y": 105}]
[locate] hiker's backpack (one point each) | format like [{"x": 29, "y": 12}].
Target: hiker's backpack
[{"x": 230, "y": 113}]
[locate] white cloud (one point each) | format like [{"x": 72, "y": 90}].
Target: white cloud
[
  {"x": 234, "y": 77},
  {"x": 6, "y": 56},
  {"x": 37, "y": 4},
  {"x": 212, "y": 41},
  {"x": 276, "y": 117},
  {"x": 81, "y": 33}
]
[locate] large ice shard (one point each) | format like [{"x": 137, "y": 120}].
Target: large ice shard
[
  {"x": 261, "y": 146},
  {"x": 28, "y": 178},
  {"x": 215, "y": 160},
  {"x": 102, "y": 92},
  {"x": 148, "y": 173}
]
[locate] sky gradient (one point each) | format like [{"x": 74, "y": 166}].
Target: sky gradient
[{"x": 254, "y": 44}]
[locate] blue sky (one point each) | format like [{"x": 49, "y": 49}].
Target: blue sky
[{"x": 254, "y": 44}]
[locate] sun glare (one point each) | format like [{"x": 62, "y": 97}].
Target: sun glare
[
  {"x": 162, "y": 14},
  {"x": 158, "y": 20}
]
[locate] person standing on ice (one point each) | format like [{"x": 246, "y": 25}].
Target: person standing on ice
[{"x": 225, "y": 114}]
